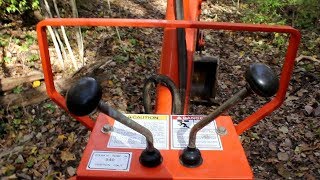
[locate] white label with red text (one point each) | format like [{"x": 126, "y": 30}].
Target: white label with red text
[{"x": 207, "y": 138}]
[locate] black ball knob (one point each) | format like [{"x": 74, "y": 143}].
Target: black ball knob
[
  {"x": 150, "y": 158},
  {"x": 84, "y": 96},
  {"x": 191, "y": 157},
  {"x": 262, "y": 80}
]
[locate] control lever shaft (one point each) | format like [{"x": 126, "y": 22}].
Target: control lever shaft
[
  {"x": 118, "y": 116},
  {"x": 85, "y": 96},
  {"x": 211, "y": 117},
  {"x": 261, "y": 80}
]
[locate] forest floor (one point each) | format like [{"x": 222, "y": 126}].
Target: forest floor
[{"x": 41, "y": 141}]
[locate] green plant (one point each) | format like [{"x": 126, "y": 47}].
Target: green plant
[
  {"x": 17, "y": 90},
  {"x": 308, "y": 67},
  {"x": 265, "y": 11},
  {"x": 4, "y": 39},
  {"x": 7, "y": 59},
  {"x": 16, "y": 122},
  {"x": 121, "y": 58},
  {"x": 16, "y": 40},
  {"x": 38, "y": 122},
  {"x": 280, "y": 41},
  {"x": 20, "y": 6},
  {"x": 141, "y": 60},
  {"x": 29, "y": 40},
  {"x": 50, "y": 107},
  {"x": 24, "y": 47},
  {"x": 133, "y": 42},
  {"x": 33, "y": 58},
  {"x": 300, "y": 13}
]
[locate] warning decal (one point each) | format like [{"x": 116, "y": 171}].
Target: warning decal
[
  {"x": 124, "y": 137},
  {"x": 207, "y": 138},
  {"x": 110, "y": 161}
]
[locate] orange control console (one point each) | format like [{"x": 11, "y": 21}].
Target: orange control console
[{"x": 112, "y": 155}]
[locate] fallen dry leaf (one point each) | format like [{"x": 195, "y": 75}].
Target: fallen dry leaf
[
  {"x": 272, "y": 146},
  {"x": 283, "y": 156},
  {"x": 317, "y": 111},
  {"x": 284, "y": 129},
  {"x": 308, "y": 109},
  {"x": 71, "y": 171},
  {"x": 283, "y": 171},
  {"x": 67, "y": 156}
]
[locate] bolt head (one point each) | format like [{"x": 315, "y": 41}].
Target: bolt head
[
  {"x": 222, "y": 130},
  {"x": 106, "y": 129}
]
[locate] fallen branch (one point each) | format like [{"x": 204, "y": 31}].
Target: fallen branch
[
  {"x": 7, "y": 84},
  {"x": 33, "y": 96},
  {"x": 37, "y": 95}
]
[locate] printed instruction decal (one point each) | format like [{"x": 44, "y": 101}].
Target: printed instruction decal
[
  {"x": 207, "y": 138},
  {"x": 125, "y": 137},
  {"x": 110, "y": 161}
]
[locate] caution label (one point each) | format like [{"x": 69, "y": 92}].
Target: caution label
[
  {"x": 124, "y": 137},
  {"x": 207, "y": 138},
  {"x": 110, "y": 161}
]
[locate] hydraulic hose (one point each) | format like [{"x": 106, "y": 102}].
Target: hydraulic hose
[{"x": 166, "y": 81}]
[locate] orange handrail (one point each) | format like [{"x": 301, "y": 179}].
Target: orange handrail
[{"x": 151, "y": 23}]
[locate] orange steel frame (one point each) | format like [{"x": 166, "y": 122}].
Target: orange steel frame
[
  {"x": 169, "y": 65},
  {"x": 164, "y": 100},
  {"x": 169, "y": 56}
]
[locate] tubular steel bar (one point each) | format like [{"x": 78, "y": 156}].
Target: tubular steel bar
[
  {"x": 212, "y": 116},
  {"x": 242, "y": 126}
]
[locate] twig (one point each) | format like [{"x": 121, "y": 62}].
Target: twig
[
  {"x": 64, "y": 53},
  {"x": 117, "y": 30},
  {"x": 301, "y": 57},
  {"x": 66, "y": 41},
  {"x": 78, "y": 34},
  {"x": 56, "y": 46},
  {"x": 45, "y": 6}
]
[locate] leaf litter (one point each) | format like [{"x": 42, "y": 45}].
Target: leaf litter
[{"x": 42, "y": 141}]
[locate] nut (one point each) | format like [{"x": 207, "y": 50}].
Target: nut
[{"x": 106, "y": 129}]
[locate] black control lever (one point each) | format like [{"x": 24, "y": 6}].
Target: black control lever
[
  {"x": 85, "y": 96},
  {"x": 261, "y": 80}
]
